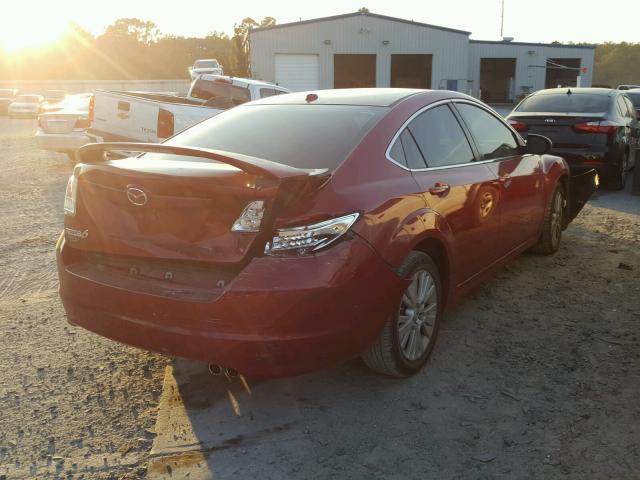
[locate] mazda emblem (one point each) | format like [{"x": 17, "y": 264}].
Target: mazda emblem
[{"x": 136, "y": 195}]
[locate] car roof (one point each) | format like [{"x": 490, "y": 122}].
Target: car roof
[
  {"x": 376, "y": 97},
  {"x": 593, "y": 91}
]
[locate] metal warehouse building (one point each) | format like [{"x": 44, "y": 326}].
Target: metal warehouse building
[{"x": 370, "y": 50}]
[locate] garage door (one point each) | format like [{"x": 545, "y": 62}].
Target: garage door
[{"x": 298, "y": 73}]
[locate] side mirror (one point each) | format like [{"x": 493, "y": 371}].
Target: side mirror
[{"x": 538, "y": 144}]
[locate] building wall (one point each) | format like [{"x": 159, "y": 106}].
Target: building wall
[
  {"x": 85, "y": 86},
  {"x": 527, "y": 55},
  {"x": 358, "y": 35}
]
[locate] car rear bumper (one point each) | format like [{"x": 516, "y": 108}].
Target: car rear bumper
[
  {"x": 597, "y": 157},
  {"x": 277, "y": 317},
  {"x": 61, "y": 141},
  {"x": 22, "y": 114}
]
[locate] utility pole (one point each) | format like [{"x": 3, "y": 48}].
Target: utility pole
[{"x": 502, "y": 22}]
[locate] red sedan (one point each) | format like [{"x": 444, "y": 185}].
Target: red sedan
[{"x": 302, "y": 230}]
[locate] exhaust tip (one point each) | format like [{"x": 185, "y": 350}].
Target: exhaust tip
[
  {"x": 215, "y": 369},
  {"x": 231, "y": 372}
]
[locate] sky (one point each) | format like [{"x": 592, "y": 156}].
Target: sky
[{"x": 525, "y": 20}]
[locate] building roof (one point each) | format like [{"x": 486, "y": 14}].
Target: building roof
[
  {"x": 358, "y": 14},
  {"x": 552, "y": 45}
]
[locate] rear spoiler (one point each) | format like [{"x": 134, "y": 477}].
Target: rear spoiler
[{"x": 95, "y": 153}]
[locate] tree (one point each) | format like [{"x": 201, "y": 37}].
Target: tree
[
  {"x": 145, "y": 32},
  {"x": 363, "y": 10},
  {"x": 241, "y": 43}
]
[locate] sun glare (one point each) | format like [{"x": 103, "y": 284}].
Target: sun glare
[{"x": 34, "y": 31}]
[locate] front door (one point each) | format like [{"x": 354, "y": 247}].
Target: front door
[{"x": 519, "y": 176}]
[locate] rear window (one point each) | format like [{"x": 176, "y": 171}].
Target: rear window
[
  {"x": 28, "y": 99},
  {"x": 207, "y": 89},
  {"x": 303, "y": 136},
  {"x": 564, "y": 103},
  {"x": 206, "y": 64}
]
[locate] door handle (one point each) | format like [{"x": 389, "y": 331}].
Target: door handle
[
  {"x": 505, "y": 180},
  {"x": 439, "y": 189}
]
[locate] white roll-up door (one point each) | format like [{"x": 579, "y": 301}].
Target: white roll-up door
[{"x": 298, "y": 73}]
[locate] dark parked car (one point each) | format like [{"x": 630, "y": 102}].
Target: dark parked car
[
  {"x": 298, "y": 231},
  {"x": 7, "y": 96},
  {"x": 589, "y": 127}
]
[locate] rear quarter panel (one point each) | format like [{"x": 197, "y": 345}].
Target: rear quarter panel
[{"x": 395, "y": 217}]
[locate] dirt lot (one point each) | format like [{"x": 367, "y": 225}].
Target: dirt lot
[{"x": 537, "y": 375}]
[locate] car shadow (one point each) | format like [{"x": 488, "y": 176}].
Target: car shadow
[{"x": 620, "y": 201}]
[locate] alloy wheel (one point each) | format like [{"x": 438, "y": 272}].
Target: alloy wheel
[
  {"x": 417, "y": 316},
  {"x": 557, "y": 214}
]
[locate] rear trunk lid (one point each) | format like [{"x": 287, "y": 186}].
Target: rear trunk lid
[
  {"x": 61, "y": 123},
  {"x": 560, "y": 128},
  {"x": 176, "y": 208}
]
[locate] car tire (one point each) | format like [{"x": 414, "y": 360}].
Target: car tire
[
  {"x": 619, "y": 177},
  {"x": 408, "y": 336},
  {"x": 553, "y": 224}
]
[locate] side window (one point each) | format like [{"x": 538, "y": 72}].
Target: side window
[
  {"x": 492, "y": 137},
  {"x": 440, "y": 138},
  {"x": 631, "y": 110},
  {"x": 412, "y": 153},
  {"x": 267, "y": 92},
  {"x": 397, "y": 152}
]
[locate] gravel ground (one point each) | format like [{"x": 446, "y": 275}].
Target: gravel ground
[
  {"x": 68, "y": 399},
  {"x": 536, "y": 375}
]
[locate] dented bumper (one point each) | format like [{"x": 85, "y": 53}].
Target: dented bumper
[{"x": 276, "y": 317}]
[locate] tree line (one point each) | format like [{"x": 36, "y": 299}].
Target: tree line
[{"x": 131, "y": 48}]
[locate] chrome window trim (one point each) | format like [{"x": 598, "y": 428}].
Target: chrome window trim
[
  {"x": 387, "y": 153},
  {"x": 446, "y": 102},
  {"x": 495, "y": 114},
  {"x": 420, "y": 111}
]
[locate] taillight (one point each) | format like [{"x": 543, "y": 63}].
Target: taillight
[
  {"x": 307, "y": 239},
  {"x": 250, "y": 219},
  {"x": 70, "y": 196},
  {"x": 82, "y": 123},
  {"x": 518, "y": 126},
  {"x": 165, "y": 124},
  {"x": 607, "y": 128},
  {"x": 91, "y": 107}
]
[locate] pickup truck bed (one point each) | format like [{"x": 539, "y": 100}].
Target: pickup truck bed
[{"x": 153, "y": 117}]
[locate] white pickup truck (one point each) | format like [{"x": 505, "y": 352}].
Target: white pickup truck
[
  {"x": 205, "y": 65},
  {"x": 153, "y": 117}
]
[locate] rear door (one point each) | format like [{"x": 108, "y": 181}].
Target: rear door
[
  {"x": 519, "y": 175},
  {"x": 461, "y": 191}
]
